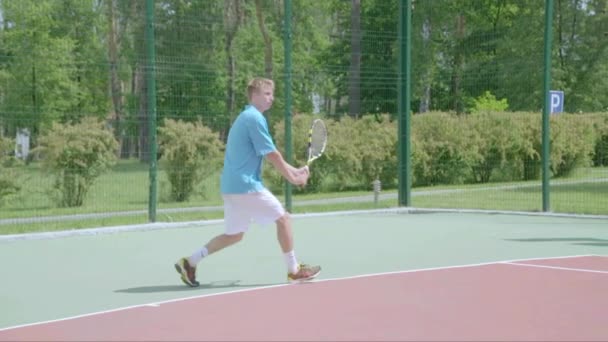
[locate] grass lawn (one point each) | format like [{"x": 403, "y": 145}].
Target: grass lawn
[{"x": 126, "y": 187}]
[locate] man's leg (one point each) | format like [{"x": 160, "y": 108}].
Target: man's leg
[
  {"x": 187, "y": 266},
  {"x": 285, "y": 233},
  {"x": 285, "y": 237},
  {"x": 296, "y": 271}
]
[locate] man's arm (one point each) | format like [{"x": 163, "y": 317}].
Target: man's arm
[{"x": 291, "y": 174}]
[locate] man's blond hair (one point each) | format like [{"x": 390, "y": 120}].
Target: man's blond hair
[{"x": 258, "y": 84}]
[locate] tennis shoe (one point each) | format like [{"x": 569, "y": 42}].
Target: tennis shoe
[
  {"x": 305, "y": 273},
  {"x": 188, "y": 273}
]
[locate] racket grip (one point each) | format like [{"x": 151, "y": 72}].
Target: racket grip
[{"x": 307, "y": 169}]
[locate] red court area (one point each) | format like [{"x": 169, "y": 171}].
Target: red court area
[{"x": 563, "y": 299}]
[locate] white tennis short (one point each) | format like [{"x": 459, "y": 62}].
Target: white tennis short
[{"x": 241, "y": 210}]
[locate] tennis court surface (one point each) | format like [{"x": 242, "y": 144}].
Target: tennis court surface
[{"x": 386, "y": 276}]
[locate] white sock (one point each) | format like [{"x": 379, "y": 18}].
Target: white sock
[
  {"x": 197, "y": 256},
  {"x": 291, "y": 261}
]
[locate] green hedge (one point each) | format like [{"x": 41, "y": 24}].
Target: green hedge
[
  {"x": 600, "y": 126},
  {"x": 447, "y": 148}
]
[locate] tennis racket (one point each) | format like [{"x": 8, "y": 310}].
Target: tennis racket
[{"x": 317, "y": 140}]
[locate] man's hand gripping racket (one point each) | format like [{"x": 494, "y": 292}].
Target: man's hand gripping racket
[{"x": 317, "y": 140}]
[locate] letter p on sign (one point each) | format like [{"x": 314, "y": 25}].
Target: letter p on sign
[{"x": 557, "y": 101}]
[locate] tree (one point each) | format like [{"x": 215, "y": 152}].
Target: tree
[
  {"x": 50, "y": 73},
  {"x": 581, "y": 67}
]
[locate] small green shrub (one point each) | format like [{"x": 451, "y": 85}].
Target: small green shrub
[
  {"x": 9, "y": 184},
  {"x": 487, "y": 102},
  {"x": 190, "y": 153},
  {"x": 77, "y": 154}
]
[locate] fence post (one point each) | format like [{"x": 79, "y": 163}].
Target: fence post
[
  {"x": 151, "y": 95},
  {"x": 404, "y": 93},
  {"x": 546, "y": 149},
  {"x": 288, "y": 142}
]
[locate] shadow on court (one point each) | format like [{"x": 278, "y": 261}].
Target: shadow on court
[
  {"x": 181, "y": 287},
  {"x": 574, "y": 240}
]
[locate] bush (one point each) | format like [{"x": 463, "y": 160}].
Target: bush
[
  {"x": 358, "y": 152},
  {"x": 446, "y": 149},
  {"x": 443, "y": 150},
  {"x": 572, "y": 142},
  {"x": 190, "y": 153},
  {"x": 8, "y": 180},
  {"x": 529, "y": 155},
  {"x": 488, "y": 103},
  {"x": 497, "y": 141},
  {"x": 600, "y": 153},
  {"x": 77, "y": 154},
  {"x": 378, "y": 150}
]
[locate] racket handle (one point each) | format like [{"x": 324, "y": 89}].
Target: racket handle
[{"x": 307, "y": 169}]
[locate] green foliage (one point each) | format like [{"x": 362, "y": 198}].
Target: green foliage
[
  {"x": 190, "y": 153},
  {"x": 600, "y": 153},
  {"x": 378, "y": 150},
  {"x": 77, "y": 154},
  {"x": 443, "y": 153},
  {"x": 9, "y": 184},
  {"x": 348, "y": 163},
  {"x": 446, "y": 149},
  {"x": 53, "y": 60},
  {"x": 573, "y": 140},
  {"x": 529, "y": 156},
  {"x": 361, "y": 151},
  {"x": 498, "y": 143},
  {"x": 64, "y": 59},
  {"x": 488, "y": 103}
]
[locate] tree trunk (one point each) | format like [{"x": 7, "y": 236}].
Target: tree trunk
[
  {"x": 141, "y": 89},
  {"x": 458, "y": 103},
  {"x": 115, "y": 84},
  {"x": 425, "y": 100},
  {"x": 232, "y": 20},
  {"x": 267, "y": 40},
  {"x": 354, "y": 79}
]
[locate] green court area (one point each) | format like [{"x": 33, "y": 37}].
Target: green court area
[{"x": 53, "y": 277}]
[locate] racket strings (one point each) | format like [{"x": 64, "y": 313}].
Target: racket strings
[{"x": 318, "y": 140}]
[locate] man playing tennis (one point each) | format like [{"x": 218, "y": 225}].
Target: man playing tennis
[{"x": 245, "y": 197}]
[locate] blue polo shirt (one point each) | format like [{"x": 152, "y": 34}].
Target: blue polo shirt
[{"x": 248, "y": 142}]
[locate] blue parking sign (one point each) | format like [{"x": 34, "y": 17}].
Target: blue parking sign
[{"x": 556, "y": 101}]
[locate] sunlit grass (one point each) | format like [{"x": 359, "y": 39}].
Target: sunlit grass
[{"x": 126, "y": 188}]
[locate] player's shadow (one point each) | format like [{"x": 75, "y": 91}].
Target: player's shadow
[
  {"x": 181, "y": 287},
  {"x": 573, "y": 240}
]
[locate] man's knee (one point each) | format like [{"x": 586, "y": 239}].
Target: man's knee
[{"x": 283, "y": 220}]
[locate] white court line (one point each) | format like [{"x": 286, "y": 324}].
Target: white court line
[
  {"x": 197, "y": 224},
  {"x": 157, "y": 304},
  {"x": 556, "y": 267}
]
